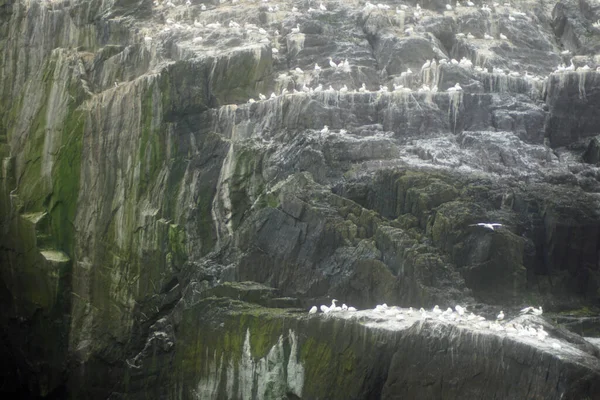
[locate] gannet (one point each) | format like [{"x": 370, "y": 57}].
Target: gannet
[
  {"x": 410, "y": 311},
  {"x": 324, "y": 131},
  {"x": 343, "y": 131},
  {"x": 351, "y": 309},
  {"x": 322, "y": 7},
  {"x": 454, "y": 62},
  {"x": 197, "y": 39},
  {"x": 426, "y": 65},
  {"x": 500, "y": 316},
  {"x": 503, "y": 36},
  {"x": 294, "y": 9},
  {"x": 313, "y": 310},
  {"x": 331, "y": 63},
  {"x": 470, "y": 36},
  {"x": 397, "y": 87},
  {"x": 344, "y": 89},
  {"x": 330, "y": 89},
  {"x": 487, "y": 37},
  {"x": 202, "y": 7},
  {"x": 534, "y": 310},
  {"x": 324, "y": 309},
  {"x": 488, "y": 225},
  {"x": 460, "y": 310},
  {"x": 383, "y": 89},
  {"x": 344, "y": 307},
  {"x": 251, "y": 100},
  {"x": 436, "y": 309},
  {"x": 511, "y": 18},
  {"x": 273, "y": 95},
  {"x": 298, "y": 70},
  {"x": 274, "y": 50},
  {"x": 448, "y": 7},
  {"x": 197, "y": 24},
  {"x": 262, "y": 96},
  {"x": 363, "y": 88},
  {"x": 296, "y": 29},
  {"x": 147, "y": 38},
  {"x": 570, "y": 67},
  {"x": 470, "y": 3},
  {"x": 318, "y": 88},
  {"x": 584, "y": 68},
  {"x": 460, "y": 35},
  {"x": 317, "y": 68}
]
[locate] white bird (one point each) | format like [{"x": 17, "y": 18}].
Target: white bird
[
  {"x": 331, "y": 63},
  {"x": 262, "y": 96},
  {"x": 511, "y": 18},
  {"x": 487, "y": 37},
  {"x": 344, "y": 307},
  {"x": 410, "y": 311},
  {"x": 197, "y": 39},
  {"x": 324, "y": 309},
  {"x": 556, "y": 346},
  {"x": 322, "y": 7},
  {"x": 455, "y": 88},
  {"x": 503, "y": 36},
  {"x": 436, "y": 309},
  {"x": 470, "y": 36},
  {"x": 363, "y": 88},
  {"x": 251, "y": 100},
  {"x": 500, "y": 316},
  {"x": 400, "y": 317},
  {"x": 202, "y": 7},
  {"x": 313, "y": 310},
  {"x": 448, "y": 7},
  {"x": 324, "y": 131},
  {"x": 487, "y": 225},
  {"x": 298, "y": 70},
  {"x": 460, "y": 35},
  {"x": 197, "y": 24},
  {"x": 351, "y": 309},
  {"x": 343, "y": 131},
  {"x": 273, "y": 95},
  {"x": 470, "y": 3},
  {"x": 460, "y": 310},
  {"x": 317, "y": 68},
  {"x": 318, "y": 88},
  {"x": 344, "y": 89},
  {"x": 296, "y": 29},
  {"x": 426, "y": 65},
  {"x": 147, "y": 38}
]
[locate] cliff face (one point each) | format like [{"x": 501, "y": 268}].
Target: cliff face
[{"x": 136, "y": 178}]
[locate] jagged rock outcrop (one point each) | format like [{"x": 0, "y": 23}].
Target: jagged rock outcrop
[{"x": 141, "y": 170}]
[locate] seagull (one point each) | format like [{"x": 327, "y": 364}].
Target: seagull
[
  {"x": 488, "y": 225},
  {"x": 313, "y": 310},
  {"x": 500, "y": 316}
]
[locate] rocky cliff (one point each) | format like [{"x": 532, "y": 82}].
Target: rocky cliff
[{"x": 155, "y": 153}]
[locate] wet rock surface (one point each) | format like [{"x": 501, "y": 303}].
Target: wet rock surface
[{"x": 157, "y": 155}]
